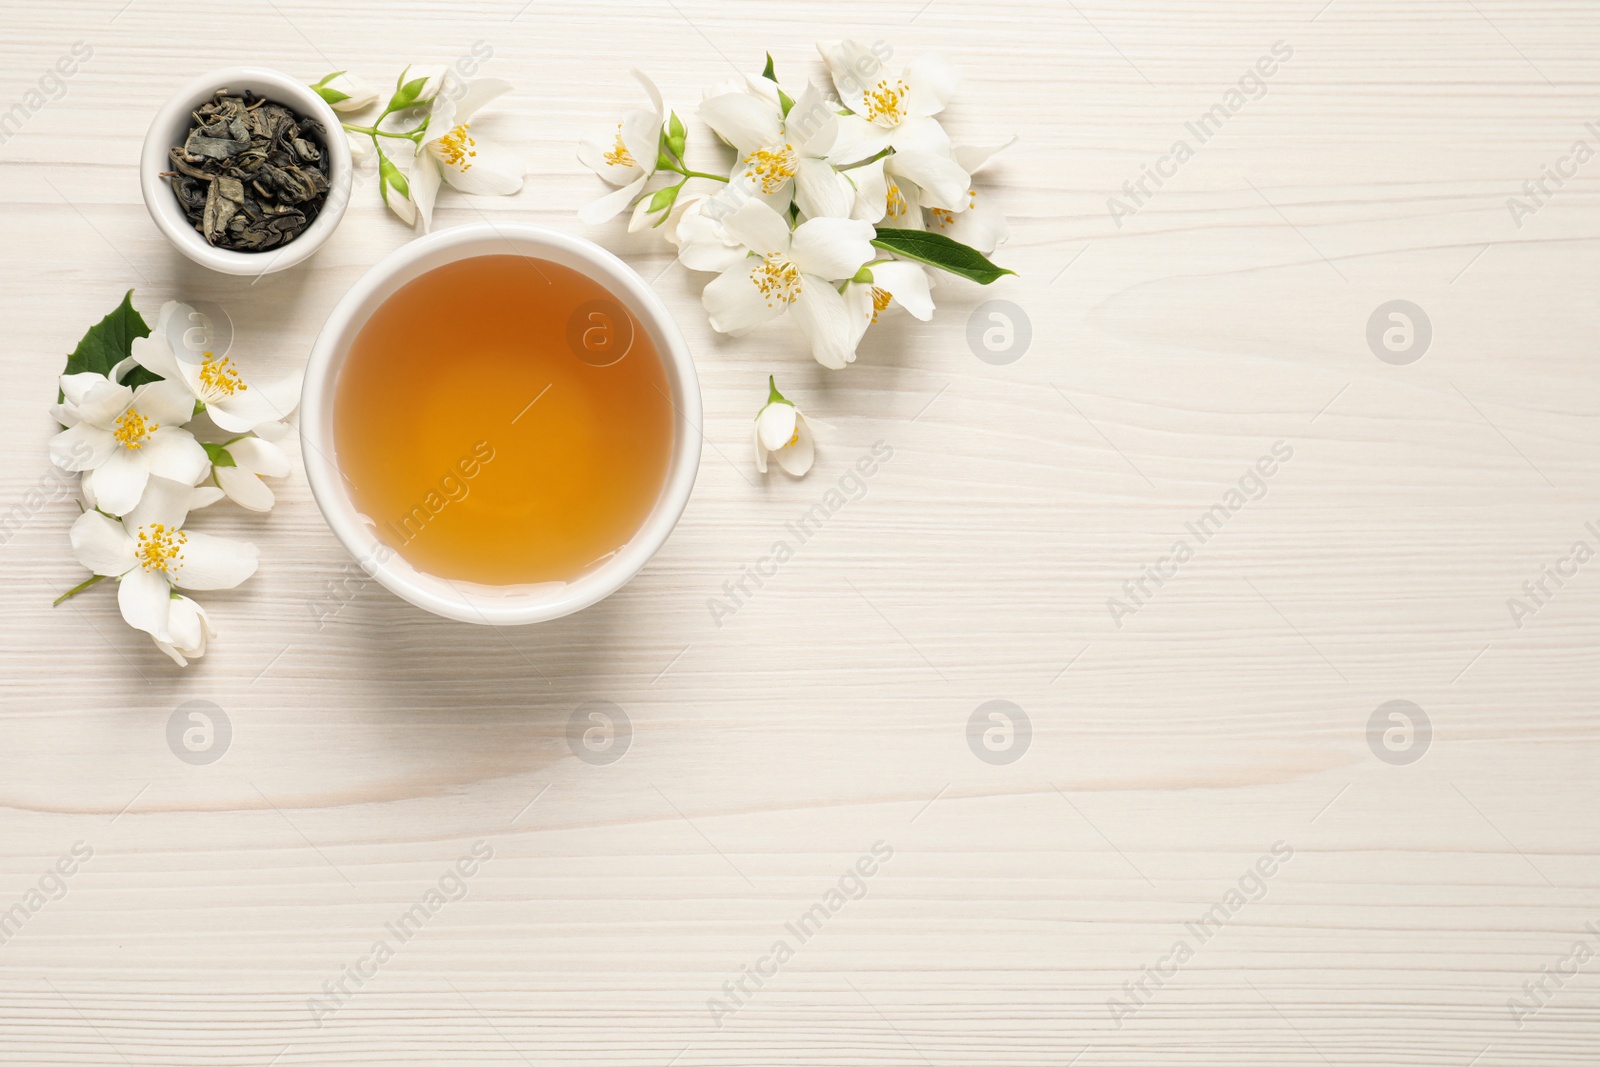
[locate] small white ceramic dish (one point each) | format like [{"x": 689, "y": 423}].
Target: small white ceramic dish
[
  {"x": 494, "y": 605},
  {"x": 171, "y": 127}
]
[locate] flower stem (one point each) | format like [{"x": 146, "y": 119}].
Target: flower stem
[
  {"x": 702, "y": 174},
  {"x": 80, "y": 587}
]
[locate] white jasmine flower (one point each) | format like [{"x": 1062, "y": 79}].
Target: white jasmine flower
[
  {"x": 126, "y": 436},
  {"x": 234, "y": 404},
  {"x": 888, "y": 283},
  {"x": 982, "y": 225},
  {"x": 894, "y": 190},
  {"x": 452, "y": 150},
  {"x": 782, "y": 158},
  {"x": 786, "y": 271},
  {"x": 889, "y": 108},
  {"x": 783, "y": 433},
  {"x": 238, "y": 467},
  {"x": 345, "y": 92},
  {"x": 188, "y": 630},
  {"x": 626, "y": 156},
  {"x": 149, "y": 553}
]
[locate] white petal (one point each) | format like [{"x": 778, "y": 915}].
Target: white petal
[
  {"x": 920, "y": 135},
  {"x": 700, "y": 240},
  {"x": 244, "y": 488},
  {"x": 478, "y": 92},
  {"x": 492, "y": 171},
  {"x": 822, "y": 191},
  {"x": 746, "y": 122},
  {"x": 82, "y": 447},
  {"x": 824, "y": 319},
  {"x": 761, "y": 451},
  {"x": 186, "y": 630},
  {"x": 261, "y": 404},
  {"x": 775, "y": 425},
  {"x": 854, "y": 68},
  {"x": 613, "y": 203},
  {"x": 797, "y": 458},
  {"x": 154, "y": 354},
  {"x": 174, "y": 453},
  {"x": 204, "y": 497},
  {"x": 832, "y": 248},
  {"x": 210, "y": 562},
  {"x": 983, "y": 225},
  {"x": 260, "y": 457},
  {"x": 650, "y": 90},
  {"x": 101, "y": 544},
  {"x": 99, "y": 400},
  {"x": 641, "y": 135},
  {"x": 165, "y": 502},
  {"x": 812, "y": 125},
  {"x": 169, "y": 403},
  {"x": 944, "y": 184},
  {"x": 758, "y": 227},
  {"x": 734, "y": 302},
  {"x": 908, "y": 284},
  {"x": 143, "y": 595},
  {"x": 859, "y": 306},
  {"x": 120, "y": 481},
  {"x": 930, "y": 84},
  {"x": 974, "y": 158},
  {"x": 424, "y": 185},
  {"x": 871, "y": 191},
  {"x": 858, "y": 139}
]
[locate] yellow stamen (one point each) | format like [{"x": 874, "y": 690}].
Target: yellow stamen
[
  {"x": 160, "y": 549},
  {"x": 220, "y": 375},
  {"x": 459, "y": 147},
  {"x": 619, "y": 156},
  {"x": 777, "y": 279},
  {"x": 771, "y": 167},
  {"x": 942, "y": 217},
  {"x": 880, "y": 302},
  {"x": 885, "y": 101},
  {"x": 795, "y": 438},
  {"x": 133, "y": 429},
  {"x": 897, "y": 206}
]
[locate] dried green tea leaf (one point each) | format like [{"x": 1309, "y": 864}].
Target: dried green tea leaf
[{"x": 251, "y": 174}]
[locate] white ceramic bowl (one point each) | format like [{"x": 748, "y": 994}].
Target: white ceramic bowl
[
  {"x": 171, "y": 126},
  {"x": 492, "y": 605}
]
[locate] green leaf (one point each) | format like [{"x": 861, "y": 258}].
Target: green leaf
[
  {"x": 937, "y": 250},
  {"x": 390, "y": 175},
  {"x": 220, "y": 456},
  {"x": 332, "y": 96},
  {"x": 676, "y": 129},
  {"x": 767, "y": 73},
  {"x": 406, "y": 95},
  {"x": 109, "y": 342},
  {"x": 773, "y": 396},
  {"x": 664, "y": 198},
  {"x": 785, "y": 102}
]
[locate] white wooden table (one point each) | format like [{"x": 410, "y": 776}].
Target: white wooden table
[{"x": 1433, "y": 872}]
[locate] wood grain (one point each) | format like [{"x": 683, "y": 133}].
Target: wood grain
[{"x": 769, "y": 753}]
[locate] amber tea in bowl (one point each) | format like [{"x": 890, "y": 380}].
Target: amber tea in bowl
[{"x": 500, "y": 423}]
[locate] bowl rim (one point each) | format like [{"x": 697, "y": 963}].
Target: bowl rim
[
  {"x": 444, "y": 597},
  {"x": 167, "y": 128}
]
